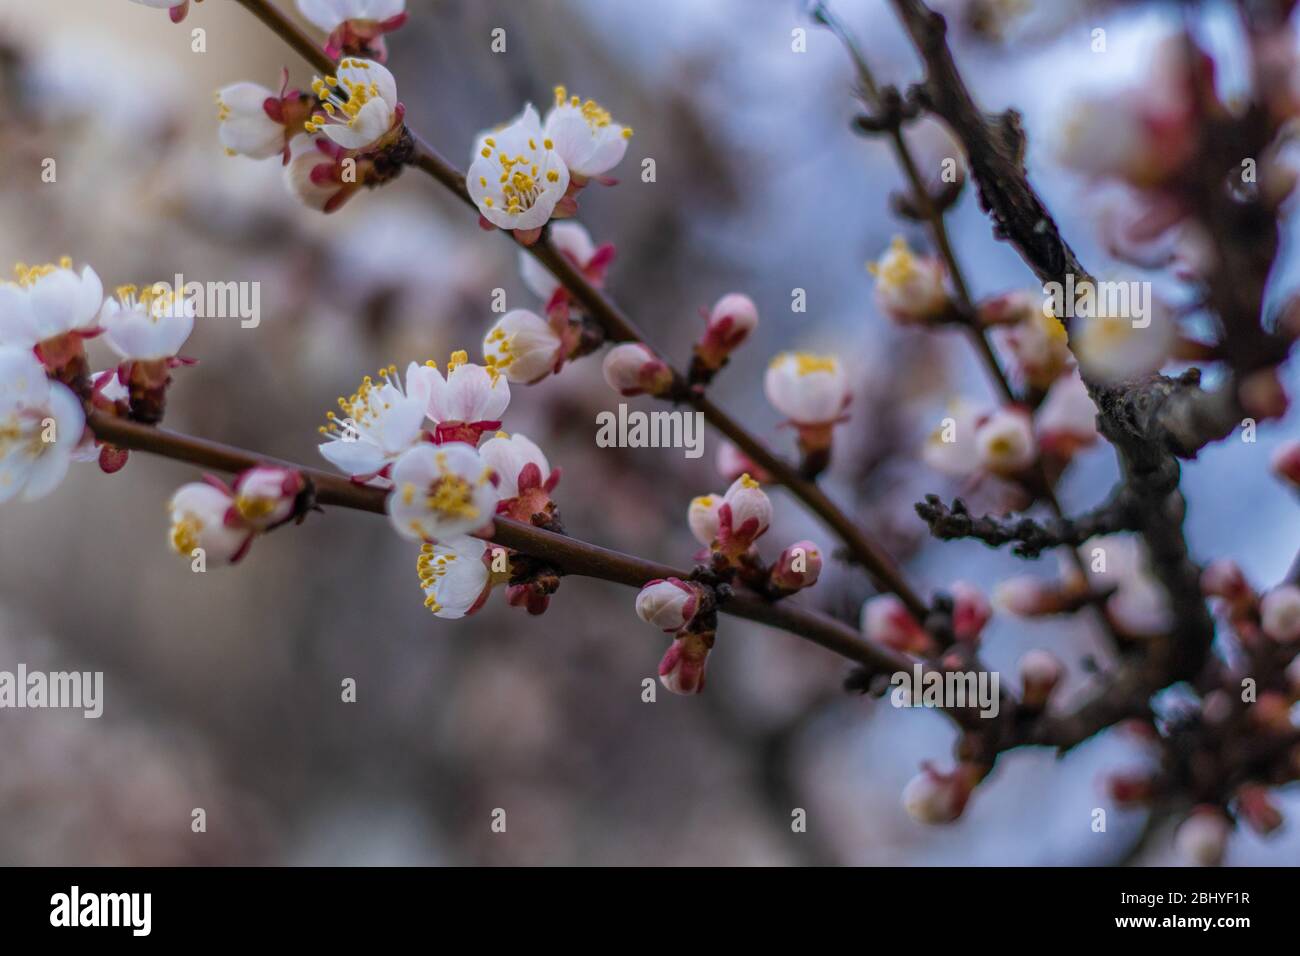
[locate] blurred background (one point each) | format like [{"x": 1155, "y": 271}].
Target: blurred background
[{"x": 222, "y": 690}]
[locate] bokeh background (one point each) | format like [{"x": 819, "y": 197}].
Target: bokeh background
[{"x": 223, "y": 689}]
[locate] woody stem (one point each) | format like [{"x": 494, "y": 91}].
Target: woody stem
[{"x": 620, "y": 328}]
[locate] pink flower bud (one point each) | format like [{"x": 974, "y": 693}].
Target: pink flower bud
[
  {"x": 1286, "y": 462},
  {"x": 265, "y": 496},
  {"x": 797, "y": 568},
  {"x": 1224, "y": 579},
  {"x": 1279, "y": 613},
  {"x": 530, "y": 596},
  {"x": 1202, "y": 838},
  {"x": 682, "y": 668},
  {"x": 668, "y": 604},
  {"x": 732, "y": 463},
  {"x": 633, "y": 369},
  {"x": 934, "y": 797},
  {"x": 1255, "y": 807},
  {"x": 886, "y": 620},
  {"x": 909, "y": 288},
  {"x": 1004, "y": 441},
  {"x": 1040, "y": 672},
  {"x": 743, "y": 516},
  {"x": 970, "y": 611},
  {"x": 733, "y": 318}
]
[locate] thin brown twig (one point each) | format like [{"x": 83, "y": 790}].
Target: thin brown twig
[
  {"x": 567, "y": 554},
  {"x": 936, "y": 220},
  {"x": 882, "y": 569}
]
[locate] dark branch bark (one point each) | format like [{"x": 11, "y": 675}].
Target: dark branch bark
[{"x": 1032, "y": 537}]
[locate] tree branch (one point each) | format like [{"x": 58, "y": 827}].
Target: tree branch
[
  {"x": 568, "y": 555},
  {"x": 883, "y": 571},
  {"x": 1033, "y": 537}
]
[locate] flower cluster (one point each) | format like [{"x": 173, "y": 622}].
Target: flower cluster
[
  {"x": 1118, "y": 574},
  {"x": 48, "y": 314},
  {"x": 886, "y": 620},
  {"x": 422, "y": 439},
  {"x": 1250, "y": 694},
  {"x": 728, "y": 526},
  {"x": 528, "y": 171},
  {"x": 1008, "y": 442},
  {"x": 218, "y": 522},
  {"x": 524, "y": 346},
  {"x": 348, "y": 132}
]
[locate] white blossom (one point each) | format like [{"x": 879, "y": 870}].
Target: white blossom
[
  {"x": 328, "y": 15},
  {"x": 147, "y": 325},
  {"x": 49, "y": 301},
  {"x": 246, "y": 129},
  {"x": 359, "y": 104},
  {"x": 523, "y": 347},
  {"x": 41, "y": 425},
  {"x": 440, "y": 491},
  {"x": 516, "y": 177},
  {"x": 199, "y": 520},
  {"x": 585, "y": 136},
  {"x": 807, "y": 389},
  {"x": 379, "y": 422},
  {"x": 471, "y": 399},
  {"x": 455, "y": 575},
  {"x": 519, "y": 464}
]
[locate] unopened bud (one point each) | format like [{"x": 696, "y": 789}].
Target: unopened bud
[
  {"x": 730, "y": 322},
  {"x": 1202, "y": 838},
  {"x": 886, "y": 620},
  {"x": 970, "y": 611},
  {"x": 264, "y": 497},
  {"x": 1040, "y": 672},
  {"x": 668, "y": 604},
  {"x": 682, "y": 668},
  {"x": 633, "y": 369},
  {"x": 797, "y": 568},
  {"x": 1279, "y": 613}
]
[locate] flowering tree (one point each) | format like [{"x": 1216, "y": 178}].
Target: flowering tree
[{"x": 1071, "y": 364}]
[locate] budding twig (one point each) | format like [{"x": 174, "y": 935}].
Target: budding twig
[
  {"x": 1032, "y": 537},
  {"x": 565, "y": 553},
  {"x": 619, "y": 327}
]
